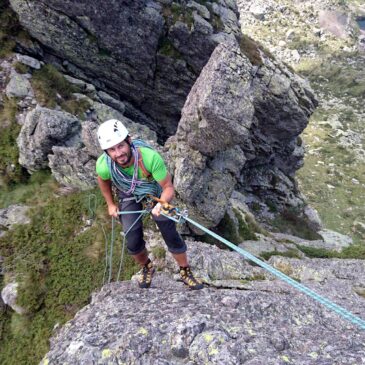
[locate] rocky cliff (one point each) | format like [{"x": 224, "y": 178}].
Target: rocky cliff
[
  {"x": 266, "y": 322},
  {"x": 231, "y": 116},
  {"x": 248, "y": 108},
  {"x": 147, "y": 52}
]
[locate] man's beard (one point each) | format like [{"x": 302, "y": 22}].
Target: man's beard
[{"x": 126, "y": 158}]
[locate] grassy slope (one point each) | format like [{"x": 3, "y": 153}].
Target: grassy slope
[
  {"x": 332, "y": 179},
  {"x": 333, "y": 176},
  {"x": 57, "y": 266}
]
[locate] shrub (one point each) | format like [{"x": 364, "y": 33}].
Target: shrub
[
  {"x": 52, "y": 88},
  {"x": 10, "y": 170},
  {"x": 21, "y": 68},
  {"x": 55, "y": 274},
  {"x": 291, "y": 253},
  {"x": 251, "y": 49},
  {"x": 10, "y": 29},
  {"x": 291, "y": 221},
  {"x": 159, "y": 252},
  {"x": 47, "y": 83}
]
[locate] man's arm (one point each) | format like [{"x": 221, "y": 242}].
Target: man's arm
[
  {"x": 168, "y": 193},
  {"x": 106, "y": 189}
]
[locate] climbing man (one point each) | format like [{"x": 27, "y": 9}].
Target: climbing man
[{"x": 135, "y": 169}]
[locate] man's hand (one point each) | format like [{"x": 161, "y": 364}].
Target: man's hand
[
  {"x": 157, "y": 209},
  {"x": 113, "y": 210}
]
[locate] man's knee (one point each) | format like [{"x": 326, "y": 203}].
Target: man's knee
[
  {"x": 170, "y": 235},
  {"x": 135, "y": 242}
]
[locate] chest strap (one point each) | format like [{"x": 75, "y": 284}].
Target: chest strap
[{"x": 141, "y": 165}]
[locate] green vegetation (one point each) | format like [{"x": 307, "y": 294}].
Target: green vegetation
[
  {"x": 291, "y": 253},
  {"x": 178, "y": 12},
  {"x": 159, "y": 252},
  {"x": 217, "y": 23},
  {"x": 9, "y": 28},
  {"x": 291, "y": 220},
  {"x": 103, "y": 52},
  {"x": 318, "y": 252},
  {"x": 76, "y": 107},
  {"x": 327, "y": 180},
  {"x": 10, "y": 170},
  {"x": 227, "y": 228},
  {"x": 340, "y": 80},
  {"x": 244, "y": 231},
  {"x": 355, "y": 251},
  {"x": 256, "y": 277},
  {"x": 58, "y": 265},
  {"x": 302, "y": 42},
  {"x": 21, "y": 68},
  {"x": 166, "y": 48},
  {"x": 250, "y": 48},
  {"x": 52, "y": 88},
  {"x": 36, "y": 190}
]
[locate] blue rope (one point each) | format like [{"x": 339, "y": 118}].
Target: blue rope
[
  {"x": 111, "y": 251},
  {"x": 109, "y": 261},
  {"x": 106, "y": 254},
  {"x": 125, "y": 236},
  {"x": 326, "y": 302}
]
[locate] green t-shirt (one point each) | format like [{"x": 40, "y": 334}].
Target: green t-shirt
[{"x": 152, "y": 161}]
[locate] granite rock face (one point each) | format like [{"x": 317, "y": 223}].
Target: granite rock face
[
  {"x": 266, "y": 322},
  {"x": 148, "y": 52},
  {"x": 168, "y": 324},
  {"x": 59, "y": 140},
  {"x": 241, "y": 120}
]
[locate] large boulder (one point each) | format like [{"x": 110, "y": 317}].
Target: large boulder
[
  {"x": 19, "y": 86},
  {"x": 148, "y": 52},
  {"x": 42, "y": 130},
  {"x": 351, "y": 272},
  {"x": 12, "y": 215},
  {"x": 239, "y": 131},
  {"x": 72, "y": 166},
  {"x": 214, "y": 266},
  {"x": 9, "y": 296}
]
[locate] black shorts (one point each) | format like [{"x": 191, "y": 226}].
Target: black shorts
[{"x": 135, "y": 241}]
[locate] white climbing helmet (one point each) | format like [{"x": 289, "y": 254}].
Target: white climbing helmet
[{"x": 111, "y": 132}]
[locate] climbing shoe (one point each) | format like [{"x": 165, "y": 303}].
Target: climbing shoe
[
  {"x": 146, "y": 275},
  {"x": 189, "y": 279}
]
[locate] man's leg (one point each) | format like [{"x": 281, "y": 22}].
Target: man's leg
[
  {"x": 141, "y": 258},
  {"x": 177, "y": 247},
  {"x": 135, "y": 242},
  {"x": 181, "y": 259}
]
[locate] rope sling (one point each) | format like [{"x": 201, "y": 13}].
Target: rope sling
[{"x": 131, "y": 185}]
